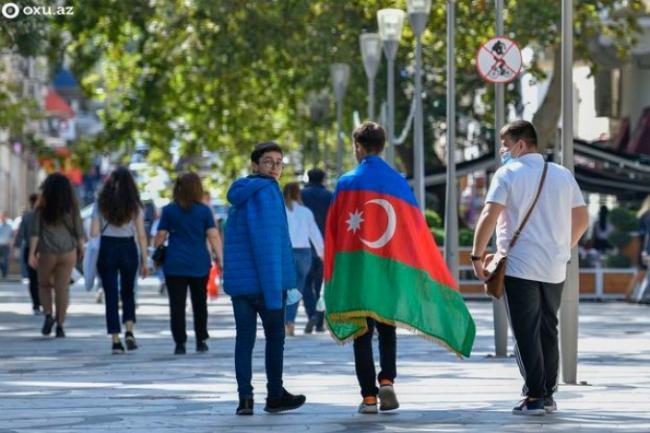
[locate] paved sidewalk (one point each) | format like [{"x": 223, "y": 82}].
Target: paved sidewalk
[{"x": 76, "y": 385}]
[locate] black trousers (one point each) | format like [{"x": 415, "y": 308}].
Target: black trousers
[
  {"x": 33, "y": 279},
  {"x": 532, "y": 309},
  {"x": 177, "y": 289},
  {"x": 364, "y": 362}
]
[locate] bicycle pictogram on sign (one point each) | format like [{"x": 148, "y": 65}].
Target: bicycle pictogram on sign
[{"x": 499, "y": 60}]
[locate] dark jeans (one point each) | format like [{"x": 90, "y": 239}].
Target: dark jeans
[
  {"x": 118, "y": 256},
  {"x": 364, "y": 362},
  {"x": 246, "y": 309},
  {"x": 33, "y": 279},
  {"x": 177, "y": 290},
  {"x": 302, "y": 258},
  {"x": 4, "y": 260},
  {"x": 312, "y": 290},
  {"x": 532, "y": 309}
]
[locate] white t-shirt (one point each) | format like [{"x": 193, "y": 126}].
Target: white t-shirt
[
  {"x": 303, "y": 228},
  {"x": 544, "y": 246}
]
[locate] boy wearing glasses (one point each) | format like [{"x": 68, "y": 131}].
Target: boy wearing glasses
[{"x": 258, "y": 270}]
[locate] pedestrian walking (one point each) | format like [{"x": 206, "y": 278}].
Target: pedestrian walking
[
  {"x": 6, "y": 238},
  {"x": 539, "y": 205},
  {"x": 23, "y": 235},
  {"x": 57, "y": 243},
  {"x": 642, "y": 292},
  {"x": 188, "y": 225},
  {"x": 258, "y": 270},
  {"x": 118, "y": 218},
  {"x": 383, "y": 269},
  {"x": 601, "y": 230},
  {"x": 317, "y": 199},
  {"x": 304, "y": 234}
]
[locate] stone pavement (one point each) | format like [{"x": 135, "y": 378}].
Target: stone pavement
[{"x": 76, "y": 385}]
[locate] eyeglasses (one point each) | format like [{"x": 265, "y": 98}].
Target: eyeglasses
[{"x": 269, "y": 163}]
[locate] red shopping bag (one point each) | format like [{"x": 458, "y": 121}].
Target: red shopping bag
[{"x": 213, "y": 281}]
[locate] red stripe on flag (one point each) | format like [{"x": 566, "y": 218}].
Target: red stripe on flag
[{"x": 355, "y": 218}]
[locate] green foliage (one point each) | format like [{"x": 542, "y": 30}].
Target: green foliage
[
  {"x": 223, "y": 75},
  {"x": 619, "y": 238},
  {"x": 439, "y": 236},
  {"x": 433, "y": 219},
  {"x": 618, "y": 261},
  {"x": 623, "y": 219},
  {"x": 465, "y": 237}
]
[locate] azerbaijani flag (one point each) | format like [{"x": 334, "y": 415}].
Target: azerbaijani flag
[{"x": 381, "y": 261}]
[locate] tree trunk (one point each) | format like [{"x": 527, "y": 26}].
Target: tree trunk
[{"x": 547, "y": 115}]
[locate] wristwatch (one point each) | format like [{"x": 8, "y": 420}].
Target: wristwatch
[{"x": 475, "y": 258}]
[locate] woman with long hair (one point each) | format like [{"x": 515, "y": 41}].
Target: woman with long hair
[
  {"x": 642, "y": 279},
  {"x": 119, "y": 220},
  {"x": 57, "y": 241},
  {"x": 187, "y": 224},
  {"x": 304, "y": 233}
]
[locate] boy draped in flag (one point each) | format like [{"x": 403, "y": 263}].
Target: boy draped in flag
[{"x": 383, "y": 269}]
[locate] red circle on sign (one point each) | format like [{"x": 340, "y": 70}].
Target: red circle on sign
[{"x": 499, "y": 60}]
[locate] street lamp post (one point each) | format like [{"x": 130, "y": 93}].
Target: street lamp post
[
  {"x": 390, "y": 22},
  {"x": 370, "y": 44},
  {"x": 418, "y": 11},
  {"x": 340, "y": 74},
  {"x": 569, "y": 304},
  {"x": 451, "y": 211}
]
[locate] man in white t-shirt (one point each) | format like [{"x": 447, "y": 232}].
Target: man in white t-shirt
[{"x": 536, "y": 265}]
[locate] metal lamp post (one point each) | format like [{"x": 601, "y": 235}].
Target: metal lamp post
[
  {"x": 418, "y": 11},
  {"x": 370, "y": 44},
  {"x": 451, "y": 211},
  {"x": 340, "y": 74},
  {"x": 569, "y": 305},
  {"x": 390, "y": 22}
]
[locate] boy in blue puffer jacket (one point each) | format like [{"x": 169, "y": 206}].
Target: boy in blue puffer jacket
[{"x": 258, "y": 270}]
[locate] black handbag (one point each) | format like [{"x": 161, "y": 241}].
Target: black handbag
[{"x": 158, "y": 256}]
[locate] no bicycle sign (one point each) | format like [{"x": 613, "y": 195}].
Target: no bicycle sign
[{"x": 499, "y": 60}]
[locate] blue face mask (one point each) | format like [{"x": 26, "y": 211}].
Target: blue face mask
[{"x": 507, "y": 158}]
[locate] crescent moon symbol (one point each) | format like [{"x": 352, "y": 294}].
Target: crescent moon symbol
[{"x": 390, "y": 229}]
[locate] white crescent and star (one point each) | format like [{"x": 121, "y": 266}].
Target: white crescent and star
[{"x": 356, "y": 218}]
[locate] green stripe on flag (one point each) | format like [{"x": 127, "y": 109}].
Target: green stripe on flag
[{"x": 366, "y": 285}]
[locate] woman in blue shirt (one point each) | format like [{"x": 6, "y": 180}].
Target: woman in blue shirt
[{"x": 190, "y": 226}]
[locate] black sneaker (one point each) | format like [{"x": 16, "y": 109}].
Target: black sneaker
[
  {"x": 59, "y": 331},
  {"x": 117, "y": 348},
  {"x": 129, "y": 338},
  {"x": 285, "y": 402},
  {"x": 245, "y": 406},
  {"x": 530, "y": 407},
  {"x": 180, "y": 349},
  {"x": 201, "y": 346},
  {"x": 47, "y": 325},
  {"x": 309, "y": 327},
  {"x": 387, "y": 398},
  {"x": 550, "y": 405}
]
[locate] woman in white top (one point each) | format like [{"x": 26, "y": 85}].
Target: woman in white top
[
  {"x": 303, "y": 231},
  {"x": 118, "y": 219}
]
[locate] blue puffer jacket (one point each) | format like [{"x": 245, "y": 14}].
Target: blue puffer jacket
[{"x": 257, "y": 249}]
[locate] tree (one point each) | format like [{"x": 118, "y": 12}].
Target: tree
[{"x": 223, "y": 75}]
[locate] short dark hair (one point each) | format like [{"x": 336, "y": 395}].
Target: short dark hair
[
  {"x": 316, "y": 175},
  {"x": 371, "y": 136},
  {"x": 262, "y": 148},
  {"x": 188, "y": 190},
  {"x": 520, "y": 130},
  {"x": 33, "y": 198}
]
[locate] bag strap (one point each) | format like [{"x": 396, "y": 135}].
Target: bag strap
[{"x": 523, "y": 223}]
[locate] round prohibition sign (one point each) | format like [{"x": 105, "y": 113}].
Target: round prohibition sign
[{"x": 499, "y": 60}]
